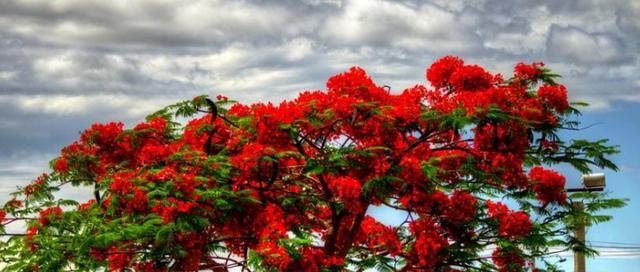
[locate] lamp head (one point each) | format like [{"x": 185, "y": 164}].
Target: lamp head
[{"x": 594, "y": 181}]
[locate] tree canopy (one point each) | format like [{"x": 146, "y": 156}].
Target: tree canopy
[{"x": 212, "y": 184}]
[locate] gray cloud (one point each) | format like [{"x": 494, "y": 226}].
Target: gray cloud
[
  {"x": 577, "y": 46},
  {"x": 147, "y": 24},
  {"x": 65, "y": 64},
  {"x": 423, "y": 28}
]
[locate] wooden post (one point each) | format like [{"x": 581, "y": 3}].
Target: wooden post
[{"x": 579, "y": 264}]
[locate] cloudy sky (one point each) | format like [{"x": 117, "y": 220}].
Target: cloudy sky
[{"x": 65, "y": 64}]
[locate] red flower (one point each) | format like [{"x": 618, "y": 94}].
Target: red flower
[
  {"x": 554, "y": 96},
  {"x": 270, "y": 223},
  {"x": 508, "y": 260},
  {"x": 152, "y": 153},
  {"x": 139, "y": 202},
  {"x": 167, "y": 213},
  {"x": 509, "y": 138},
  {"x": 429, "y": 243},
  {"x": 496, "y": 209},
  {"x": 348, "y": 190},
  {"x": 49, "y": 214},
  {"x": 357, "y": 84},
  {"x": 333, "y": 261},
  {"x": 122, "y": 183},
  {"x": 156, "y": 125},
  {"x": 528, "y": 71},
  {"x": 548, "y": 185},
  {"x": 85, "y": 206},
  {"x": 187, "y": 183},
  {"x": 313, "y": 259},
  {"x": 441, "y": 70},
  {"x": 103, "y": 135},
  {"x": 119, "y": 258},
  {"x": 31, "y": 232},
  {"x": 462, "y": 209},
  {"x": 185, "y": 207},
  {"x": 378, "y": 236},
  {"x": 61, "y": 165},
  {"x": 513, "y": 225},
  {"x": 167, "y": 173},
  {"x": 471, "y": 78},
  {"x": 274, "y": 255}
]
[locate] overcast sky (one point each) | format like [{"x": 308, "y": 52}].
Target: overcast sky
[{"x": 65, "y": 64}]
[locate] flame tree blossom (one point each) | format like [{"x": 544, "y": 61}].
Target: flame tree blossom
[{"x": 288, "y": 186}]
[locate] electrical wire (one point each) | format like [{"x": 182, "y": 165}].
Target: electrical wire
[{"x": 615, "y": 243}]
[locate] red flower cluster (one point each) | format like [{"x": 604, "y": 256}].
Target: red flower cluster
[
  {"x": 36, "y": 185},
  {"x": 506, "y": 139},
  {"x": 119, "y": 258},
  {"x": 61, "y": 165},
  {"x": 274, "y": 255},
  {"x": 31, "y": 233},
  {"x": 471, "y": 78},
  {"x": 271, "y": 224},
  {"x": 313, "y": 259},
  {"x": 378, "y": 237},
  {"x": 168, "y": 212},
  {"x": 441, "y": 70},
  {"x": 52, "y": 213},
  {"x": 513, "y": 224},
  {"x": 548, "y": 185},
  {"x": 429, "y": 244},
  {"x": 347, "y": 189},
  {"x": 356, "y": 84},
  {"x": 451, "y": 72},
  {"x": 508, "y": 260},
  {"x": 87, "y": 205},
  {"x": 528, "y": 71},
  {"x": 424, "y": 203},
  {"x": 122, "y": 184},
  {"x": 103, "y": 135},
  {"x": 554, "y": 96},
  {"x": 462, "y": 208}
]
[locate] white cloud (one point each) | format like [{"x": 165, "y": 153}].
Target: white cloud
[
  {"x": 574, "y": 45},
  {"x": 19, "y": 170},
  {"x": 518, "y": 43},
  {"x": 7, "y": 75},
  {"x": 299, "y": 48},
  {"x": 395, "y": 24},
  {"x": 114, "y": 105}
]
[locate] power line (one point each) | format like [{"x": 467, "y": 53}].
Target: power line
[
  {"x": 616, "y": 243},
  {"x": 616, "y": 247}
]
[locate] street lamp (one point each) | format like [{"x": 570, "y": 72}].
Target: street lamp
[
  {"x": 594, "y": 181},
  {"x": 590, "y": 183}
]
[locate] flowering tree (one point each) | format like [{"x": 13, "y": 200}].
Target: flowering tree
[{"x": 287, "y": 187}]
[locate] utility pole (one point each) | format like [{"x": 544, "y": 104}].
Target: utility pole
[
  {"x": 579, "y": 264},
  {"x": 590, "y": 183}
]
